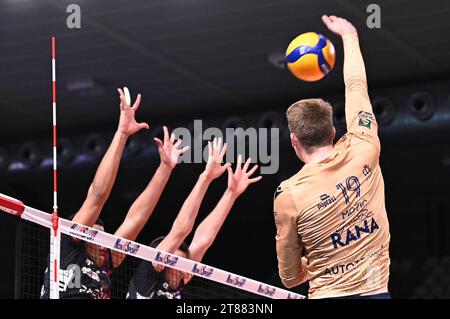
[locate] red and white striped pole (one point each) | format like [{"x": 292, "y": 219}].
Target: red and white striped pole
[
  {"x": 55, "y": 163},
  {"x": 54, "y": 236}
]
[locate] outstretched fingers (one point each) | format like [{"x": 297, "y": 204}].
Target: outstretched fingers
[
  {"x": 183, "y": 150},
  {"x": 143, "y": 125},
  {"x": 166, "y": 134},
  {"x": 326, "y": 19},
  {"x": 252, "y": 170},
  {"x": 210, "y": 150},
  {"x": 123, "y": 103},
  {"x": 137, "y": 103},
  {"x": 223, "y": 151},
  {"x": 246, "y": 165},
  {"x": 158, "y": 142},
  {"x": 239, "y": 163},
  {"x": 218, "y": 145},
  {"x": 230, "y": 171},
  {"x": 254, "y": 180},
  {"x": 178, "y": 143}
]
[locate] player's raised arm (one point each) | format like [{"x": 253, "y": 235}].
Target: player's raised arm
[
  {"x": 184, "y": 222},
  {"x": 356, "y": 92},
  {"x": 142, "y": 208},
  {"x": 106, "y": 173},
  {"x": 209, "y": 228}
]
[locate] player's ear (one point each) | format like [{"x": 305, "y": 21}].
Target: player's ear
[
  {"x": 294, "y": 141},
  {"x": 334, "y": 133}
]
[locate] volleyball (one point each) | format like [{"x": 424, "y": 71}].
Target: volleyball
[{"x": 310, "y": 56}]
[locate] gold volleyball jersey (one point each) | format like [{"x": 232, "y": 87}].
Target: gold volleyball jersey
[{"x": 332, "y": 226}]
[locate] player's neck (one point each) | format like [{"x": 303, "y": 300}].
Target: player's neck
[{"x": 318, "y": 154}]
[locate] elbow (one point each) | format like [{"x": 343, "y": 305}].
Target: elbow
[
  {"x": 97, "y": 193},
  {"x": 202, "y": 242},
  {"x": 289, "y": 283},
  {"x": 293, "y": 279},
  {"x": 182, "y": 229}
]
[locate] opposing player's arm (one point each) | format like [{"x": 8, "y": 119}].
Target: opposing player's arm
[
  {"x": 292, "y": 270},
  {"x": 142, "y": 208},
  {"x": 184, "y": 222},
  {"x": 207, "y": 231},
  {"x": 106, "y": 173}
]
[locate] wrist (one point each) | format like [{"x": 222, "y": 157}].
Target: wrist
[
  {"x": 233, "y": 195},
  {"x": 349, "y": 34},
  {"x": 121, "y": 135},
  {"x": 165, "y": 168},
  {"x": 205, "y": 177}
]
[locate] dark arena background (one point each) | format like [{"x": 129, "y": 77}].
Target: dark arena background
[{"x": 221, "y": 62}]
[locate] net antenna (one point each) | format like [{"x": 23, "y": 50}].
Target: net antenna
[{"x": 55, "y": 235}]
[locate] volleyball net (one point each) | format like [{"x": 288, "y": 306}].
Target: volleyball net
[{"x": 135, "y": 277}]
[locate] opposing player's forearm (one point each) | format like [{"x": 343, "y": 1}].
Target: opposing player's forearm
[
  {"x": 184, "y": 222},
  {"x": 356, "y": 93},
  {"x": 143, "y": 207},
  {"x": 189, "y": 211},
  {"x": 207, "y": 231},
  {"x": 103, "y": 182},
  {"x": 107, "y": 170}
]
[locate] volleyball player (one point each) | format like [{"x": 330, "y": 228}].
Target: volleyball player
[{"x": 332, "y": 226}]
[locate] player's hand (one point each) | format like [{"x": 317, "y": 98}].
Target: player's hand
[
  {"x": 216, "y": 152},
  {"x": 338, "y": 25},
  {"x": 127, "y": 123},
  {"x": 169, "y": 150},
  {"x": 240, "y": 179},
  {"x": 305, "y": 268}
]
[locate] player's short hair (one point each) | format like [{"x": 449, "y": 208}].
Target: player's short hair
[
  {"x": 311, "y": 121},
  {"x": 183, "y": 247}
]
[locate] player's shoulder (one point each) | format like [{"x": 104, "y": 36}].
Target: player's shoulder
[{"x": 288, "y": 185}]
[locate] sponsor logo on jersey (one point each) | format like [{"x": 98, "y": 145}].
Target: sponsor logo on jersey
[
  {"x": 326, "y": 200},
  {"x": 367, "y": 170},
  {"x": 354, "y": 209},
  {"x": 344, "y": 238},
  {"x": 126, "y": 246},
  {"x": 343, "y": 268}
]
